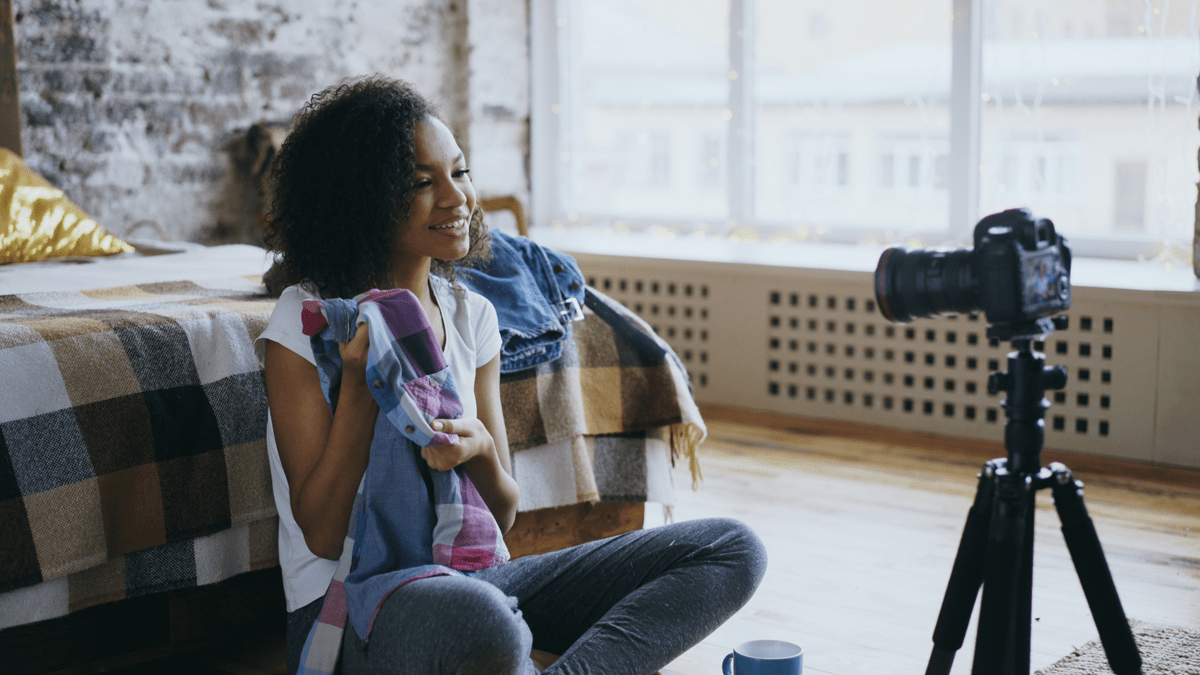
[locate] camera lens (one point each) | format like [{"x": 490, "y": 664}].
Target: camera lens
[{"x": 920, "y": 283}]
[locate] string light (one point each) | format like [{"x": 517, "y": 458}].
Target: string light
[
  {"x": 1171, "y": 255},
  {"x": 743, "y": 235},
  {"x": 736, "y": 233}
]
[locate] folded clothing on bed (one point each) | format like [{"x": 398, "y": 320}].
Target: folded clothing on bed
[
  {"x": 570, "y": 375},
  {"x": 617, "y": 387},
  {"x": 537, "y": 293}
]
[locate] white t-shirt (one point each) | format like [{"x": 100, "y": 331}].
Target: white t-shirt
[{"x": 472, "y": 340}]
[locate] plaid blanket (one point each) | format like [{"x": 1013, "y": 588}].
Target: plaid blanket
[
  {"x": 132, "y": 422},
  {"x": 616, "y": 388}
]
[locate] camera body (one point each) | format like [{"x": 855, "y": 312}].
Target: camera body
[{"x": 1018, "y": 272}]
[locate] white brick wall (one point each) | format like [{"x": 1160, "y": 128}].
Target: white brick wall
[{"x": 130, "y": 105}]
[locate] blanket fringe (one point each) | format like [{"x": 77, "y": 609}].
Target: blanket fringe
[{"x": 685, "y": 441}]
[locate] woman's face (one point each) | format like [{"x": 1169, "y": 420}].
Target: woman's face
[{"x": 442, "y": 198}]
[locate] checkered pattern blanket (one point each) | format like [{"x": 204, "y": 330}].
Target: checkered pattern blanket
[
  {"x": 132, "y": 452},
  {"x": 132, "y": 425},
  {"x": 616, "y": 388}
]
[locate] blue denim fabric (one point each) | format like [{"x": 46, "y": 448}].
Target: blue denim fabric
[{"x": 537, "y": 293}]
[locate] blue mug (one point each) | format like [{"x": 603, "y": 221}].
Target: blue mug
[{"x": 765, "y": 657}]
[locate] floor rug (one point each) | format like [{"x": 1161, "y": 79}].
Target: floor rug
[{"x": 1166, "y": 650}]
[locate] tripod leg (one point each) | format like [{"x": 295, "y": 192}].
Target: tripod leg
[
  {"x": 1094, "y": 575},
  {"x": 1023, "y": 614},
  {"x": 999, "y": 631},
  {"x": 965, "y": 577}
]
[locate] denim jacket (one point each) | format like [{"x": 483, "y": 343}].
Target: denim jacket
[{"x": 537, "y": 293}]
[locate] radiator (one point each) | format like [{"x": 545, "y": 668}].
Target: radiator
[{"x": 811, "y": 343}]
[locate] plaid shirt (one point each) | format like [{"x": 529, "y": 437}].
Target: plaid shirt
[{"x": 412, "y": 384}]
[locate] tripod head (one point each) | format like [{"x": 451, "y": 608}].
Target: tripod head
[{"x": 1026, "y": 382}]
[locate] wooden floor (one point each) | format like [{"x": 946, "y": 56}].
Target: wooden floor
[
  {"x": 862, "y": 527},
  {"x": 862, "y": 533}
]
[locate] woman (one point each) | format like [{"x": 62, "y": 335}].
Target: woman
[{"x": 373, "y": 192}]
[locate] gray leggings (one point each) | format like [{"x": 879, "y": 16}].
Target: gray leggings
[{"x": 629, "y": 604}]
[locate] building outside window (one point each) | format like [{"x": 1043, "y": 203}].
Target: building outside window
[{"x": 814, "y": 119}]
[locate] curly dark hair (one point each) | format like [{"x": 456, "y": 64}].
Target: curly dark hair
[{"x": 340, "y": 188}]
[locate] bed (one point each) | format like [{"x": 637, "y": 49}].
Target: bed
[
  {"x": 130, "y": 462},
  {"x": 132, "y": 418}
]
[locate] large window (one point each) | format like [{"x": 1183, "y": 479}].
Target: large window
[
  {"x": 643, "y": 114},
  {"x": 868, "y": 120},
  {"x": 1090, "y": 114}
]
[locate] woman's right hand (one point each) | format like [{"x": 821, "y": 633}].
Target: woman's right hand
[{"x": 354, "y": 352}]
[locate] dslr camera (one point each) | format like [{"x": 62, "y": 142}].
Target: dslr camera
[{"x": 1018, "y": 273}]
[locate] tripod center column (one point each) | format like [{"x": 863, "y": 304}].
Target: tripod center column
[{"x": 1025, "y": 408}]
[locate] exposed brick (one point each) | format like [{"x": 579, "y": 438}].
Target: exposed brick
[
  {"x": 49, "y": 110},
  {"x": 79, "y": 48},
  {"x": 271, "y": 65},
  {"x": 148, "y": 83},
  {"x": 212, "y": 116},
  {"x": 294, "y": 91},
  {"x": 499, "y": 101},
  {"x": 70, "y": 32},
  {"x": 238, "y": 31},
  {"x": 49, "y": 13},
  {"x": 122, "y": 111},
  {"x": 229, "y": 75},
  {"x": 62, "y": 79},
  {"x": 100, "y": 141},
  {"x": 131, "y": 105},
  {"x": 97, "y": 81},
  {"x": 194, "y": 173}
]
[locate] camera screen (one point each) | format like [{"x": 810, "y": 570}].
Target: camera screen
[{"x": 1042, "y": 279}]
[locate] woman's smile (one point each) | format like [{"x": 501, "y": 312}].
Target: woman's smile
[{"x": 455, "y": 227}]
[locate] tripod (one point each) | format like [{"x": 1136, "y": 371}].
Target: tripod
[{"x": 996, "y": 551}]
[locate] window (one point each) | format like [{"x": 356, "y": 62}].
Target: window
[
  {"x": 709, "y": 174},
  {"x": 1129, "y": 196},
  {"x": 1089, "y": 115},
  {"x": 641, "y": 124},
  {"x": 863, "y": 121},
  {"x": 913, "y": 166}
]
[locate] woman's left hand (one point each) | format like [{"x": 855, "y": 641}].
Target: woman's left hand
[{"x": 474, "y": 440}]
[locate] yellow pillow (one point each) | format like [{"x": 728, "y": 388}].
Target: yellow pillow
[{"x": 37, "y": 221}]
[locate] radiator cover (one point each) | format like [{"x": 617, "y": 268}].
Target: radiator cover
[{"x": 811, "y": 342}]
